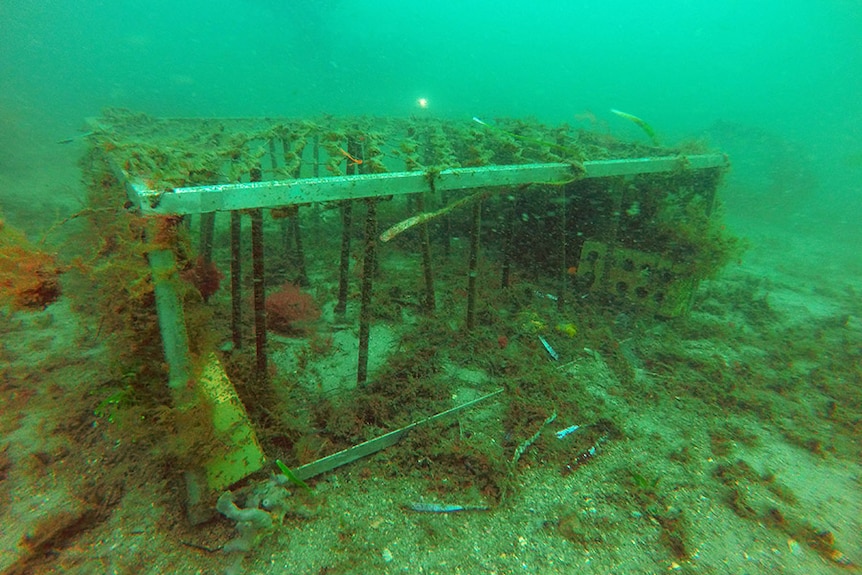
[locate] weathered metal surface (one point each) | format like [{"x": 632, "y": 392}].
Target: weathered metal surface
[{"x": 273, "y": 194}]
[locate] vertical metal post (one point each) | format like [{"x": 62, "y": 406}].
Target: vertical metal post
[
  {"x": 284, "y": 223},
  {"x": 206, "y": 236},
  {"x": 508, "y": 233},
  {"x": 711, "y": 179},
  {"x": 238, "y": 453},
  {"x": 172, "y": 323},
  {"x": 236, "y": 279},
  {"x": 447, "y": 226},
  {"x": 473, "y": 270},
  {"x": 290, "y": 157},
  {"x": 616, "y": 191},
  {"x": 428, "y": 273},
  {"x": 367, "y": 286},
  {"x": 258, "y": 291},
  {"x": 273, "y": 161},
  {"x": 293, "y": 230},
  {"x": 302, "y": 272},
  {"x": 564, "y": 269},
  {"x": 258, "y": 285},
  {"x": 344, "y": 264},
  {"x": 425, "y": 239},
  {"x": 346, "y": 224}
]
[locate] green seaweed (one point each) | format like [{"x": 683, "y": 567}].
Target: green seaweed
[
  {"x": 107, "y": 408},
  {"x": 285, "y": 470},
  {"x": 648, "y": 130},
  {"x": 642, "y": 482}
]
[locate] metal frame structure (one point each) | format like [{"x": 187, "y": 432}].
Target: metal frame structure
[{"x": 128, "y": 139}]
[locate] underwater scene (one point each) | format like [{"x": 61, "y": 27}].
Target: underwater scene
[{"x": 330, "y": 287}]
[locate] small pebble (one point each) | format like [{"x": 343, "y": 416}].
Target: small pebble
[{"x": 387, "y": 555}]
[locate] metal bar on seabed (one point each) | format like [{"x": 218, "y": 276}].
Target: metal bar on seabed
[{"x": 379, "y": 443}]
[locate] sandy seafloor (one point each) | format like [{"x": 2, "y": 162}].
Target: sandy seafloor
[{"x": 593, "y": 521}]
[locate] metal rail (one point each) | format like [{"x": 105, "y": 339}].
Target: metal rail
[{"x": 273, "y": 194}]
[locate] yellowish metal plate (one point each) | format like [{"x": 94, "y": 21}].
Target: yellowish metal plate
[{"x": 242, "y": 453}]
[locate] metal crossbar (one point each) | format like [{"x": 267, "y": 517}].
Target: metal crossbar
[{"x": 273, "y": 194}]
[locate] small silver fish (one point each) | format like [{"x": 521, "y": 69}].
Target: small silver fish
[
  {"x": 73, "y": 138},
  {"x": 549, "y": 296},
  {"x": 554, "y": 355},
  {"x": 564, "y": 432},
  {"x": 439, "y": 508}
]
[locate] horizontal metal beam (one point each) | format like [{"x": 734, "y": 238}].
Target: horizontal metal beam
[
  {"x": 273, "y": 194},
  {"x": 633, "y": 166}
]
